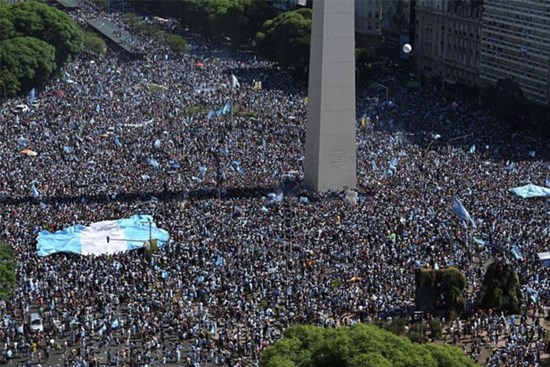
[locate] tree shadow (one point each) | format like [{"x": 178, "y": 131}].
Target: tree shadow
[
  {"x": 164, "y": 196},
  {"x": 435, "y": 120}
]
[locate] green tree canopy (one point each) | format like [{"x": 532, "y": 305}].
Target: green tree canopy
[
  {"x": 7, "y": 29},
  {"x": 500, "y": 289},
  {"x": 28, "y": 60},
  {"x": 93, "y": 43},
  {"x": 440, "y": 291},
  {"x": 177, "y": 43},
  {"x": 238, "y": 20},
  {"x": 286, "y": 39},
  {"x": 35, "y": 19},
  {"x": 357, "y": 346}
]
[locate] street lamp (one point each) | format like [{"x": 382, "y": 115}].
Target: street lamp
[
  {"x": 387, "y": 91},
  {"x": 387, "y": 98},
  {"x": 420, "y": 315}
]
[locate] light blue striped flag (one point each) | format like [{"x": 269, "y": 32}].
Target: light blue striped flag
[
  {"x": 461, "y": 212},
  {"x": 34, "y": 192},
  {"x": 32, "y": 95},
  {"x": 106, "y": 237}
]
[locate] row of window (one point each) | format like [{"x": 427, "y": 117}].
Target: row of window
[
  {"x": 536, "y": 51},
  {"x": 518, "y": 24},
  {"x": 514, "y": 6}
]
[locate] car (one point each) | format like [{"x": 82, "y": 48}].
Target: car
[{"x": 35, "y": 322}]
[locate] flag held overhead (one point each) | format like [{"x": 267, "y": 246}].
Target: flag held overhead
[{"x": 461, "y": 212}]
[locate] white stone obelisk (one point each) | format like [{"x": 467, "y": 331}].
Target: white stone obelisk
[{"x": 330, "y": 149}]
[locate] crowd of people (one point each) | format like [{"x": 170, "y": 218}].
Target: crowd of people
[{"x": 117, "y": 135}]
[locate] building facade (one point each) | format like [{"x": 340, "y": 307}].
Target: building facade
[
  {"x": 397, "y": 25},
  {"x": 448, "y": 40},
  {"x": 368, "y": 22},
  {"x": 515, "y": 45}
]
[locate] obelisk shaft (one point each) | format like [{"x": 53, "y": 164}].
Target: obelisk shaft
[{"x": 330, "y": 149}]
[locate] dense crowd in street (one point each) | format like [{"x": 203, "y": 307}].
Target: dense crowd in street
[{"x": 117, "y": 135}]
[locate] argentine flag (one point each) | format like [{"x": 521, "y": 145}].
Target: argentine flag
[
  {"x": 461, "y": 212},
  {"x": 235, "y": 82},
  {"x": 106, "y": 237},
  {"x": 32, "y": 96},
  {"x": 34, "y": 192}
]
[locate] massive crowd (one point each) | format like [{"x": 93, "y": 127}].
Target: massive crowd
[{"x": 116, "y": 135}]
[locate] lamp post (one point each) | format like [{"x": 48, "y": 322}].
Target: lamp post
[
  {"x": 387, "y": 98},
  {"x": 387, "y": 91},
  {"x": 150, "y": 231},
  {"x": 420, "y": 314}
]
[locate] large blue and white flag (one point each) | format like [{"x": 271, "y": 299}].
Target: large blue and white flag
[
  {"x": 210, "y": 115},
  {"x": 234, "y": 82},
  {"x": 461, "y": 212},
  {"x": 32, "y": 95},
  {"x": 107, "y": 237},
  {"x": 275, "y": 197},
  {"x": 224, "y": 110},
  {"x": 531, "y": 191},
  {"x": 22, "y": 142},
  {"x": 153, "y": 163},
  {"x": 237, "y": 167},
  {"x": 516, "y": 252},
  {"x": 34, "y": 192},
  {"x": 374, "y": 166}
]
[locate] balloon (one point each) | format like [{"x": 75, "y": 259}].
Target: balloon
[{"x": 407, "y": 48}]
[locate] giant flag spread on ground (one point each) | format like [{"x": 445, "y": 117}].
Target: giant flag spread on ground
[{"x": 106, "y": 237}]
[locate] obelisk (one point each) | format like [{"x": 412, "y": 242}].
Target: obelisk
[{"x": 330, "y": 149}]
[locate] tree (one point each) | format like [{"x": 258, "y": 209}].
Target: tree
[
  {"x": 177, "y": 43},
  {"x": 48, "y": 24},
  {"x": 9, "y": 82},
  {"x": 28, "y": 60},
  {"x": 238, "y": 20},
  {"x": 286, "y": 39},
  {"x": 507, "y": 103},
  {"x": 7, "y": 29},
  {"x": 7, "y": 272},
  {"x": 440, "y": 291},
  {"x": 230, "y": 20},
  {"x": 500, "y": 288},
  {"x": 93, "y": 43},
  {"x": 357, "y": 346},
  {"x": 367, "y": 69}
]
